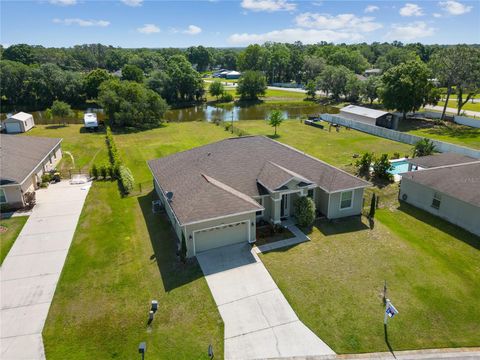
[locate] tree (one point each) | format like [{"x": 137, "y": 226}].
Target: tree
[
  {"x": 373, "y": 204},
  {"x": 370, "y": 88},
  {"x": 132, "y": 73},
  {"x": 275, "y": 118},
  {"x": 216, "y": 89},
  {"x": 183, "y": 249},
  {"x": 279, "y": 61},
  {"x": 61, "y": 110},
  {"x": 351, "y": 59},
  {"x": 251, "y": 85},
  {"x": 363, "y": 164},
  {"x": 129, "y": 104},
  {"x": 406, "y": 87},
  {"x": 311, "y": 88},
  {"x": 312, "y": 67},
  {"x": 200, "y": 57},
  {"x": 185, "y": 83},
  {"x": 254, "y": 57},
  {"x": 305, "y": 211},
  {"x": 93, "y": 81},
  {"x": 353, "y": 87},
  {"x": 458, "y": 67},
  {"x": 395, "y": 56},
  {"x": 21, "y": 52},
  {"x": 381, "y": 167},
  {"x": 333, "y": 80},
  {"x": 424, "y": 147},
  {"x": 94, "y": 171}
]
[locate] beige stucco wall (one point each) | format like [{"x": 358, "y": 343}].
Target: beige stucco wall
[
  {"x": 13, "y": 195},
  {"x": 334, "y": 210},
  {"x": 451, "y": 209}
]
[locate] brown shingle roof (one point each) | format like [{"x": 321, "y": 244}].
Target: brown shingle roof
[
  {"x": 274, "y": 176},
  {"x": 443, "y": 159},
  {"x": 237, "y": 163},
  {"x": 459, "y": 181},
  {"x": 20, "y": 155}
]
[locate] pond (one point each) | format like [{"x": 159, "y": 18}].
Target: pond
[{"x": 227, "y": 112}]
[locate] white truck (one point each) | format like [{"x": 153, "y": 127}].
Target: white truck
[{"x": 90, "y": 121}]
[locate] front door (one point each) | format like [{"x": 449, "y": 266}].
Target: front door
[{"x": 284, "y": 206}]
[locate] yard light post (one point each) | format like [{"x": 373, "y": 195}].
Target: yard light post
[
  {"x": 210, "y": 352},
  {"x": 142, "y": 348}
]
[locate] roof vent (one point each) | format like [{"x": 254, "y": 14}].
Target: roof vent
[{"x": 169, "y": 196}]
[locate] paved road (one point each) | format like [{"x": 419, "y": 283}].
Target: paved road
[
  {"x": 259, "y": 322},
  {"x": 453, "y": 111},
  {"x": 32, "y": 268}
]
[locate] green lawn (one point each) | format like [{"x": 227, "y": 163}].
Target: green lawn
[
  {"x": 332, "y": 147},
  {"x": 335, "y": 282},
  {"x": 468, "y": 106},
  {"x": 12, "y": 227},
  {"x": 85, "y": 147}
]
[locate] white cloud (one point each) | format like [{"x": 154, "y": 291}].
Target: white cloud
[
  {"x": 338, "y": 22},
  {"x": 82, "y": 22},
  {"x": 148, "y": 29},
  {"x": 454, "y": 7},
  {"x": 317, "y": 3},
  {"x": 133, "y": 3},
  {"x": 371, "y": 8},
  {"x": 63, "y": 2},
  {"x": 192, "y": 30},
  {"x": 410, "y": 32},
  {"x": 411, "y": 10},
  {"x": 437, "y": 15},
  {"x": 268, "y": 5},
  {"x": 306, "y": 36}
]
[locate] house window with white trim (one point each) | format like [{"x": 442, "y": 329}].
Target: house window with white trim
[
  {"x": 346, "y": 200},
  {"x": 3, "y": 198},
  {"x": 436, "y": 201},
  {"x": 260, "y": 212}
]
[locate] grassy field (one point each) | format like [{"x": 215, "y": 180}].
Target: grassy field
[
  {"x": 335, "y": 282},
  {"x": 123, "y": 256},
  {"x": 13, "y": 227},
  {"x": 272, "y": 96},
  {"x": 468, "y": 106},
  {"x": 332, "y": 147}
]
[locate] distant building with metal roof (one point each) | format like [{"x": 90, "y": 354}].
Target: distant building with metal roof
[{"x": 369, "y": 116}]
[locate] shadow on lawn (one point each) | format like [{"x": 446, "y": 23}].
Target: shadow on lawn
[
  {"x": 174, "y": 274},
  {"x": 341, "y": 226},
  {"x": 442, "y": 225}
]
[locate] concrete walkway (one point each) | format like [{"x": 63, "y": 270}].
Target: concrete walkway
[
  {"x": 259, "y": 322},
  {"x": 32, "y": 268},
  {"x": 299, "y": 238}
]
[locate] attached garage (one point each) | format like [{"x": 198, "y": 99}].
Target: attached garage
[{"x": 222, "y": 235}]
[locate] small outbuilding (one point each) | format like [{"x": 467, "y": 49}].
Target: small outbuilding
[
  {"x": 18, "y": 123},
  {"x": 369, "y": 116}
]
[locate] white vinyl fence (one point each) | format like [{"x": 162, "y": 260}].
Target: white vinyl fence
[{"x": 398, "y": 136}]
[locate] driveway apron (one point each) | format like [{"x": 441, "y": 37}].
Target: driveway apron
[
  {"x": 259, "y": 322},
  {"x": 32, "y": 268}
]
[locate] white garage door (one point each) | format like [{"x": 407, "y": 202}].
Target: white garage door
[
  {"x": 221, "y": 236},
  {"x": 12, "y": 127}
]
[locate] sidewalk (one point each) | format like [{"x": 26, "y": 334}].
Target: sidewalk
[{"x": 300, "y": 237}]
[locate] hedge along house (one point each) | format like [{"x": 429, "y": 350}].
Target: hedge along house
[
  {"x": 24, "y": 159},
  {"x": 369, "y": 116},
  {"x": 451, "y": 192},
  {"x": 215, "y": 194},
  {"x": 18, "y": 123}
]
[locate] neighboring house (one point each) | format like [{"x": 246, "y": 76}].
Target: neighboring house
[
  {"x": 369, "y": 116},
  {"x": 24, "y": 159},
  {"x": 436, "y": 160},
  {"x": 233, "y": 75},
  {"x": 372, "y": 72},
  {"x": 215, "y": 194},
  {"x": 451, "y": 192},
  {"x": 18, "y": 123}
]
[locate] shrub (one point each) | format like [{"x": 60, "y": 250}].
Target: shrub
[
  {"x": 396, "y": 155},
  {"x": 46, "y": 178},
  {"x": 424, "y": 147},
  {"x": 226, "y": 97},
  {"x": 94, "y": 171},
  {"x": 305, "y": 211},
  {"x": 111, "y": 172},
  {"x": 373, "y": 204},
  {"x": 381, "y": 167},
  {"x": 126, "y": 179},
  {"x": 103, "y": 171},
  {"x": 364, "y": 163}
]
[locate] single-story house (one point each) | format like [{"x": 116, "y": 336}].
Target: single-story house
[
  {"x": 24, "y": 159},
  {"x": 369, "y": 116},
  {"x": 451, "y": 192},
  {"x": 436, "y": 160},
  {"x": 233, "y": 75},
  {"x": 18, "y": 123},
  {"x": 215, "y": 194}
]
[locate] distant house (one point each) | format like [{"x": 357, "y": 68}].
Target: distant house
[
  {"x": 451, "y": 192},
  {"x": 215, "y": 194},
  {"x": 372, "y": 72},
  {"x": 436, "y": 160},
  {"x": 18, "y": 123},
  {"x": 369, "y": 116},
  {"x": 233, "y": 75},
  {"x": 24, "y": 159}
]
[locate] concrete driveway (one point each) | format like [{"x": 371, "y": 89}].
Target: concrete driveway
[
  {"x": 259, "y": 322},
  {"x": 31, "y": 270}
]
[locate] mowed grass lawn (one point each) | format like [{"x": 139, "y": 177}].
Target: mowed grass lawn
[
  {"x": 11, "y": 227},
  {"x": 455, "y": 134},
  {"x": 335, "y": 282},
  {"x": 121, "y": 258},
  {"x": 468, "y": 106}
]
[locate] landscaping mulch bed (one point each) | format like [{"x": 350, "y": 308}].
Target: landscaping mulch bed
[{"x": 267, "y": 234}]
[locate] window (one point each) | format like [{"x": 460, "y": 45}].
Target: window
[
  {"x": 310, "y": 193},
  {"x": 260, "y": 212},
  {"x": 3, "y": 198},
  {"x": 346, "y": 200},
  {"x": 437, "y": 199}
]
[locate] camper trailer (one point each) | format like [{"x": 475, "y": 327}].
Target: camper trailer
[{"x": 90, "y": 121}]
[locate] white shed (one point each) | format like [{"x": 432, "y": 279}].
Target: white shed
[{"x": 18, "y": 123}]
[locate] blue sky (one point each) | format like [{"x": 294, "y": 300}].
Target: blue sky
[{"x": 143, "y": 23}]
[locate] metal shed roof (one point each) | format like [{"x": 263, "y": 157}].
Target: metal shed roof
[
  {"x": 21, "y": 116},
  {"x": 363, "y": 111}
]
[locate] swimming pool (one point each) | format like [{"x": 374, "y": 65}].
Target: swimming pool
[{"x": 399, "y": 166}]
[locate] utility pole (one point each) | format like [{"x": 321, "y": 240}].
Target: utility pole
[{"x": 232, "y": 121}]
